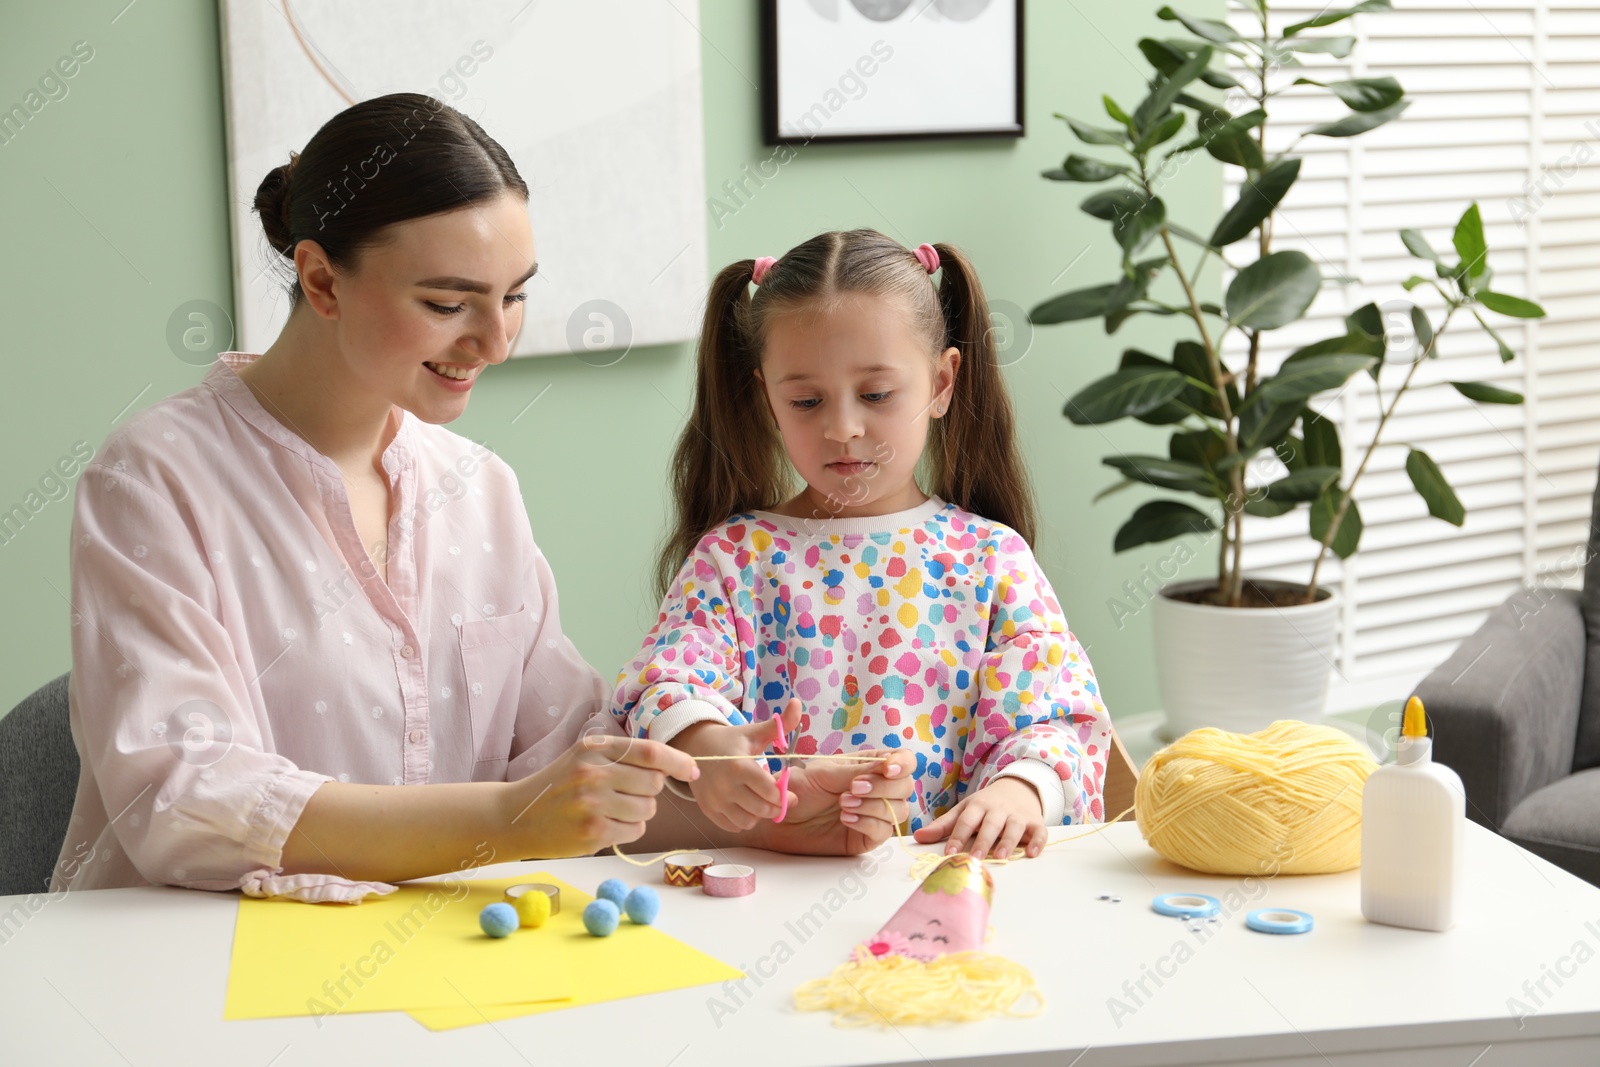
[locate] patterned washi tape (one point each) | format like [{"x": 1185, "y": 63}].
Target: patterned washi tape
[
  {"x": 685, "y": 868},
  {"x": 553, "y": 892},
  {"x": 1186, "y": 905},
  {"x": 1279, "y": 921},
  {"x": 728, "y": 880}
]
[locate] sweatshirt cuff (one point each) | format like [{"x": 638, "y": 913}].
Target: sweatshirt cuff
[
  {"x": 1051, "y": 789},
  {"x": 682, "y": 715}
]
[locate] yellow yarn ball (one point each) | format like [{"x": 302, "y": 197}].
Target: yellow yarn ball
[
  {"x": 533, "y": 908},
  {"x": 1284, "y": 800}
]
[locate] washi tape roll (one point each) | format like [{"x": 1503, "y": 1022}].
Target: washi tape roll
[
  {"x": 1279, "y": 921},
  {"x": 685, "y": 868},
  {"x": 1186, "y": 905},
  {"x": 553, "y": 892},
  {"x": 728, "y": 880}
]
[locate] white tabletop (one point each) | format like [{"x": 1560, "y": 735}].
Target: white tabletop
[{"x": 137, "y": 976}]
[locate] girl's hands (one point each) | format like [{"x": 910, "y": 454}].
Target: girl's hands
[
  {"x": 1001, "y": 815},
  {"x": 736, "y": 794},
  {"x": 839, "y": 807},
  {"x": 598, "y": 793}
]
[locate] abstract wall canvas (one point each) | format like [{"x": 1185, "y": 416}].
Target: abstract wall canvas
[{"x": 598, "y": 103}]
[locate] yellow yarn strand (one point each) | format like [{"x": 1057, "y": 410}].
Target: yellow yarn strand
[
  {"x": 1284, "y": 800},
  {"x": 896, "y": 991}
]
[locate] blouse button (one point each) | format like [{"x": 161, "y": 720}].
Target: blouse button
[
  {"x": 406, "y": 651},
  {"x": 416, "y": 737}
]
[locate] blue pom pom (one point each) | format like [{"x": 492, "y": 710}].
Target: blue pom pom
[
  {"x": 498, "y": 919},
  {"x": 614, "y": 890},
  {"x": 600, "y": 918},
  {"x": 643, "y": 905}
]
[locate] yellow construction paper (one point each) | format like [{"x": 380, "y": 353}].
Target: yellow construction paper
[
  {"x": 631, "y": 962},
  {"x": 419, "y": 947}
]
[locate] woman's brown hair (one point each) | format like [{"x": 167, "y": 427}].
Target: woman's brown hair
[
  {"x": 382, "y": 161},
  {"x": 730, "y": 458}
]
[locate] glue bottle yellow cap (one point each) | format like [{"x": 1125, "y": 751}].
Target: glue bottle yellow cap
[{"x": 1415, "y": 723}]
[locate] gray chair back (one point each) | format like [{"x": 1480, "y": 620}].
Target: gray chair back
[{"x": 38, "y": 782}]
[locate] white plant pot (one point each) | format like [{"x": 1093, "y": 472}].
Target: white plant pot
[{"x": 1241, "y": 669}]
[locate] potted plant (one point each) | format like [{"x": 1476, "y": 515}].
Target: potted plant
[{"x": 1245, "y": 439}]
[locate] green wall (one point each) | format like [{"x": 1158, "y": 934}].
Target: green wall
[{"x": 115, "y": 213}]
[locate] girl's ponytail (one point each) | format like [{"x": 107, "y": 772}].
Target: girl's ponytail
[
  {"x": 730, "y": 458},
  {"x": 973, "y": 456}
]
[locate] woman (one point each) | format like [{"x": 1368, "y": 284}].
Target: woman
[{"x": 315, "y": 647}]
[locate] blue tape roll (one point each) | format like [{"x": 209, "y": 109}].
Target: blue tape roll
[
  {"x": 1279, "y": 921},
  {"x": 1186, "y": 905}
]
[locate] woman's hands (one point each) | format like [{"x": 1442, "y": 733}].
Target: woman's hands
[
  {"x": 839, "y": 807},
  {"x": 1001, "y": 815},
  {"x": 736, "y": 794},
  {"x": 598, "y": 793}
]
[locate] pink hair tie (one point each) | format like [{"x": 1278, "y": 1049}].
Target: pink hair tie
[
  {"x": 759, "y": 271},
  {"x": 928, "y": 257}
]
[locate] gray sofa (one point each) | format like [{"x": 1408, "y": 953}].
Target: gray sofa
[{"x": 1516, "y": 712}]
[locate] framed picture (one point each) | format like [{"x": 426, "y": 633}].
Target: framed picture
[{"x": 881, "y": 70}]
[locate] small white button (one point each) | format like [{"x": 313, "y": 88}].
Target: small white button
[
  {"x": 416, "y": 737},
  {"x": 406, "y": 651}
]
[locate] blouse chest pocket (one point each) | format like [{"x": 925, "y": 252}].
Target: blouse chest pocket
[{"x": 493, "y": 651}]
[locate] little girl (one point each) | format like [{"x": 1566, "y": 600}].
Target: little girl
[{"x": 898, "y": 618}]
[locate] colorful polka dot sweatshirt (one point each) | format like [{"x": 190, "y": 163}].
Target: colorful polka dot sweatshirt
[{"x": 931, "y": 630}]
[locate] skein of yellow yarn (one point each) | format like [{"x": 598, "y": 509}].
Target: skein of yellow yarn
[{"x": 1284, "y": 800}]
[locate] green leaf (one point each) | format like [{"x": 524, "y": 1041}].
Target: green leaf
[
  {"x": 1134, "y": 231},
  {"x": 1469, "y": 242},
  {"x": 1168, "y": 56},
  {"x": 1361, "y": 121},
  {"x": 1299, "y": 487},
  {"x": 1094, "y": 134},
  {"x": 1338, "y": 47},
  {"x": 1167, "y": 88},
  {"x": 1344, "y": 541},
  {"x": 1130, "y": 391},
  {"x": 1418, "y": 245},
  {"x": 1163, "y": 472},
  {"x": 1203, "y": 448},
  {"x": 1273, "y": 291},
  {"x": 1132, "y": 286},
  {"x": 1328, "y": 18},
  {"x": 1514, "y": 306},
  {"x": 1263, "y": 425},
  {"x": 1267, "y": 509},
  {"x": 1436, "y": 492},
  {"x": 1114, "y": 487},
  {"x": 1227, "y": 138},
  {"x": 1484, "y": 393},
  {"x": 1210, "y": 29},
  {"x": 1322, "y": 441},
  {"x": 1362, "y": 94},
  {"x": 1115, "y": 111},
  {"x": 1161, "y": 520},
  {"x": 1258, "y": 198},
  {"x": 1113, "y": 203},
  {"x": 1160, "y": 133},
  {"x": 1422, "y": 327},
  {"x": 1076, "y": 168},
  {"x": 1506, "y": 354},
  {"x": 1070, "y": 307},
  {"x": 1306, "y": 377}
]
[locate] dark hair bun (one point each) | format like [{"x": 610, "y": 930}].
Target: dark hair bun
[{"x": 272, "y": 204}]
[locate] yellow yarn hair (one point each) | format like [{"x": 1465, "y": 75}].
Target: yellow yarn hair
[
  {"x": 1285, "y": 800},
  {"x": 895, "y": 991}
]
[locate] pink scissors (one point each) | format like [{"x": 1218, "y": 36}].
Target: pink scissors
[{"x": 781, "y": 744}]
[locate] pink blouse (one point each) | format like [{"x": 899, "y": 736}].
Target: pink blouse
[{"x": 234, "y": 646}]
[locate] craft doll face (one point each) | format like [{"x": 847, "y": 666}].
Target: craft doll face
[
  {"x": 949, "y": 912},
  {"x": 852, "y": 387}
]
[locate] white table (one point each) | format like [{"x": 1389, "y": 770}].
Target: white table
[{"x": 137, "y": 976}]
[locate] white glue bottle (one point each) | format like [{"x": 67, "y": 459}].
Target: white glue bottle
[{"x": 1413, "y": 828}]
